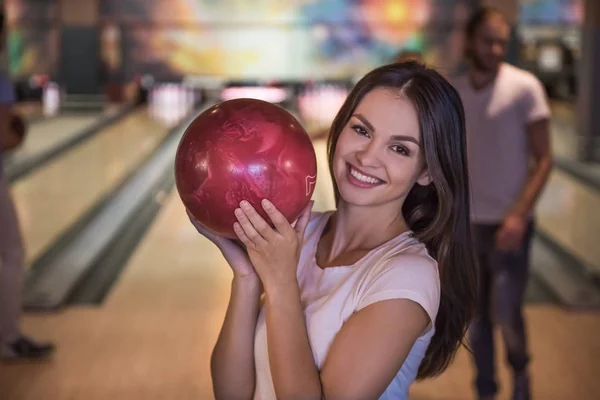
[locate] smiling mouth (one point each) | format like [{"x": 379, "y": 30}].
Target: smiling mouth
[{"x": 363, "y": 177}]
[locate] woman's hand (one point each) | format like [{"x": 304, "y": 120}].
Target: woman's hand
[
  {"x": 232, "y": 250},
  {"x": 274, "y": 252}
]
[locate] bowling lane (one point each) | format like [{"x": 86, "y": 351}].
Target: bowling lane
[
  {"x": 568, "y": 212},
  {"x": 31, "y": 110},
  {"x": 46, "y": 134},
  {"x": 565, "y": 145},
  {"x": 53, "y": 197}
]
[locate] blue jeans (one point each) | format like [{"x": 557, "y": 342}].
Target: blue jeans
[
  {"x": 12, "y": 258},
  {"x": 502, "y": 283}
]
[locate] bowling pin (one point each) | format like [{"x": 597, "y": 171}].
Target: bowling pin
[
  {"x": 189, "y": 100},
  {"x": 172, "y": 107},
  {"x": 181, "y": 101},
  {"x": 157, "y": 102},
  {"x": 164, "y": 103},
  {"x": 175, "y": 89},
  {"x": 173, "y": 102},
  {"x": 160, "y": 102},
  {"x": 178, "y": 102},
  {"x": 51, "y": 99},
  {"x": 151, "y": 100}
]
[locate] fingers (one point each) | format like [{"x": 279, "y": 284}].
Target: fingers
[
  {"x": 201, "y": 229},
  {"x": 241, "y": 234},
  {"x": 191, "y": 217},
  {"x": 279, "y": 220},
  {"x": 513, "y": 243},
  {"x": 499, "y": 239},
  {"x": 254, "y": 227},
  {"x": 502, "y": 242},
  {"x": 506, "y": 240}
]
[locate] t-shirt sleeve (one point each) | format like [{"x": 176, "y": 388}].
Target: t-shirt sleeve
[
  {"x": 412, "y": 277},
  {"x": 536, "y": 105},
  {"x": 7, "y": 93}
]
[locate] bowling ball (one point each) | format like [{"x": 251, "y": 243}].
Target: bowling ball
[
  {"x": 15, "y": 136},
  {"x": 244, "y": 149}
]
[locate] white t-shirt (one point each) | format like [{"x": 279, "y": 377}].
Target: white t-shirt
[
  {"x": 400, "y": 268},
  {"x": 497, "y": 144}
]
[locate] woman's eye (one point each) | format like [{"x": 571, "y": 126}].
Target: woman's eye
[
  {"x": 400, "y": 150},
  {"x": 360, "y": 130}
]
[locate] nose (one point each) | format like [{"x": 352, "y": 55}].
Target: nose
[{"x": 368, "y": 156}]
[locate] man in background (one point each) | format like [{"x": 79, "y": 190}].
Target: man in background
[
  {"x": 13, "y": 344},
  {"x": 508, "y": 143}
]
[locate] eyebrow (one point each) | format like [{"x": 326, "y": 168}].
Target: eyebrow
[
  {"x": 394, "y": 137},
  {"x": 365, "y": 121}
]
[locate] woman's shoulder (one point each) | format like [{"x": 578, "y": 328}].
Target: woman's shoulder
[
  {"x": 406, "y": 251},
  {"x": 407, "y": 264},
  {"x": 403, "y": 272},
  {"x": 411, "y": 261},
  {"x": 416, "y": 265}
]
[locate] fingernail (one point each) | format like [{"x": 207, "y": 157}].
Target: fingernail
[
  {"x": 266, "y": 203},
  {"x": 238, "y": 211},
  {"x": 244, "y": 203}
]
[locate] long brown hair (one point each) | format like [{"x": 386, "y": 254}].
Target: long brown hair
[{"x": 438, "y": 213}]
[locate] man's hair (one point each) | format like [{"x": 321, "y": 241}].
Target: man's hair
[{"x": 479, "y": 17}]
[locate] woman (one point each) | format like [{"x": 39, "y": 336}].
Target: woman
[{"x": 361, "y": 301}]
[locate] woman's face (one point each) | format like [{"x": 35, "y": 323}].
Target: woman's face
[{"x": 378, "y": 156}]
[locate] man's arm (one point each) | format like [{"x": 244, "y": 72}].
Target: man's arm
[
  {"x": 510, "y": 235},
  {"x": 538, "y": 135},
  {"x": 536, "y": 118}
]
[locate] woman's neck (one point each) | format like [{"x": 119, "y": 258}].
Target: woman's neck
[{"x": 354, "y": 228}]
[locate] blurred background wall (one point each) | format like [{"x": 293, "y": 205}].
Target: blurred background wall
[{"x": 271, "y": 39}]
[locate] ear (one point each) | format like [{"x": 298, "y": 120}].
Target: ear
[{"x": 424, "y": 178}]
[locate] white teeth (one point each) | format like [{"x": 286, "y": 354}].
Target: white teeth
[{"x": 362, "y": 177}]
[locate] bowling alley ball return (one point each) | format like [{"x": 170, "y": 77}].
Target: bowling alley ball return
[{"x": 244, "y": 149}]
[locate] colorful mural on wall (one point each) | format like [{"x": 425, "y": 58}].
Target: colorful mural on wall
[
  {"x": 551, "y": 12},
  {"x": 32, "y": 37},
  {"x": 241, "y": 39},
  {"x": 258, "y": 39},
  {"x": 271, "y": 39}
]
